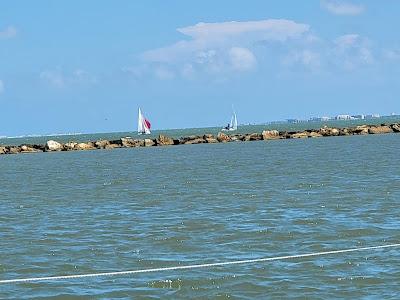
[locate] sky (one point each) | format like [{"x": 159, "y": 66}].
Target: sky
[{"x": 86, "y": 66}]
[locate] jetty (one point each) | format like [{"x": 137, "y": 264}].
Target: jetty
[{"x": 221, "y": 137}]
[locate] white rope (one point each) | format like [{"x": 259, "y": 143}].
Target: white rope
[{"x": 247, "y": 261}]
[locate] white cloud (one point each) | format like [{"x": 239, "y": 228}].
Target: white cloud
[
  {"x": 338, "y": 7},
  {"x": 272, "y": 29},
  {"x": 1, "y": 86},
  {"x": 209, "y": 38},
  {"x": 8, "y": 32},
  {"x": 308, "y": 58},
  {"x": 242, "y": 59},
  {"x": 220, "y": 47},
  {"x": 55, "y": 78},
  {"x": 352, "y": 50},
  {"x": 60, "y": 79},
  {"x": 347, "y": 41}
]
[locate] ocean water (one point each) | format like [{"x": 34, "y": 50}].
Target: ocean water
[
  {"x": 126, "y": 209},
  {"x": 177, "y": 133}
]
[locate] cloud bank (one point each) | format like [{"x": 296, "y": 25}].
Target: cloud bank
[
  {"x": 221, "y": 47},
  {"x": 221, "y": 50}
]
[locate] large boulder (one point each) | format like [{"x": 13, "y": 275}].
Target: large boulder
[
  {"x": 14, "y": 149},
  {"x": 379, "y": 129},
  {"x": 3, "y": 150},
  {"x": 328, "y": 131},
  {"x": 70, "y": 146},
  {"x": 209, "y": 138},
  {"x": 344, "y": 131},
  {"x": 192, "y": 139},
  {"x": 129, "y": 142},
  {"x": 270, "y": 134},
  {"x": 163, "y": 140},
  {"x": 299, "y": 135},
  {"x": 395, "y": 127},
  {"x": 314, "y": 134},
  {"x": 148, "y": 142},
  {"x": 101, "y": 144},
  {"x": 252, "y": 137},
  {"x": 85, "y": 146},
  {"x": 223, "y": 138},
  {"x": 28, "y": 149},
  {"x": 111, "y": 146},
  {"x": 53, "y": 146},
  {"x": 361, "y": 129}
]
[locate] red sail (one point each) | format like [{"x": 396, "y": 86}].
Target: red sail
[{"x": 148, "y": 125}]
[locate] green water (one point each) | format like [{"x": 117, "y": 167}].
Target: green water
[{"x": 99, "y": 211}]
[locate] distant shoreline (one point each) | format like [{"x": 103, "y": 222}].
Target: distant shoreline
[{"x": 162, "y": 140}]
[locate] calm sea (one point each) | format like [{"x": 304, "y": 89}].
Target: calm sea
[{"x": 126, "y": 209}]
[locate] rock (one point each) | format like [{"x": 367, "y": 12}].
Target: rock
[
  {"x": 223, "y": 138},
  {"x": 84, "y": 146},
  {"x": 328, "y": 131},
  {"x": 284, "y": 135},
  {"x": 379, "y": 129},
  {"x": 111, "y": 146},
  {"x": 252, "y": 137},
  {"x": 148, "y": 142},
  {"x": 129, "y": 142},
  {"x": 209, "y": 138},
  {"x": 395, "y": 127},
  {"x": 344, "y": 131},
  {"x": 70, "y": 146},
  {"x": 270, "y": 134},
  {"x": 192, "y": 139},
  {"x": 53, "y": 146},
  {"x": 3, "y": 150},
  {"x": 300, "y": 135},
  {"x": 28, "y": 149},
  {"x": 361, "y": 130},
  {"x": 13, "y": 150},
  {"x": 101, "y": 144},
  {"x": 314, "y": 134},
  {"x": 163, "y": 140}
]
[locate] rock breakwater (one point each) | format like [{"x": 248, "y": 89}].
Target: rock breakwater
[{"x": 162, "y": 140}]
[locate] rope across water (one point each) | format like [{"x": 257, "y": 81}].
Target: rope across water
[{"x": 195, "y": 266}]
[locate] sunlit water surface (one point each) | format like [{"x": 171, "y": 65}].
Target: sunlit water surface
[{"x": 127, "y": 209}]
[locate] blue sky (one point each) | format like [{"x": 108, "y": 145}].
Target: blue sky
[{"x": 85, "y": 66}]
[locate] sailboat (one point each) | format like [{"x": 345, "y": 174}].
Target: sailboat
[
  {"x": 232, "y": 124},
  {"x": 143, "y": 124}
]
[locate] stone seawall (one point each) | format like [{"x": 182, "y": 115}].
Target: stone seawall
[{"x": 163, "y": 140}]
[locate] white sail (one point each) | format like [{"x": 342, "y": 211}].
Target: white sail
[
  {"x": 234, "y": 122},
  {"x": 143, "y": 124}
]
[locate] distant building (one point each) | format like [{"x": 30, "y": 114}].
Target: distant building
[
  {"x": 372, "y": 116},
  {"x": 343, "y": 117},
  {"x": 319, "y": 119},
  {"x": 358, "y": 117},
  {"x": 293, "y": 121}
]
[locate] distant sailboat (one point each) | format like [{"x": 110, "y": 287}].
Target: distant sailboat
[
  {"x": 232, "y": 125},
  {"x": 143, "y": 124}
]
